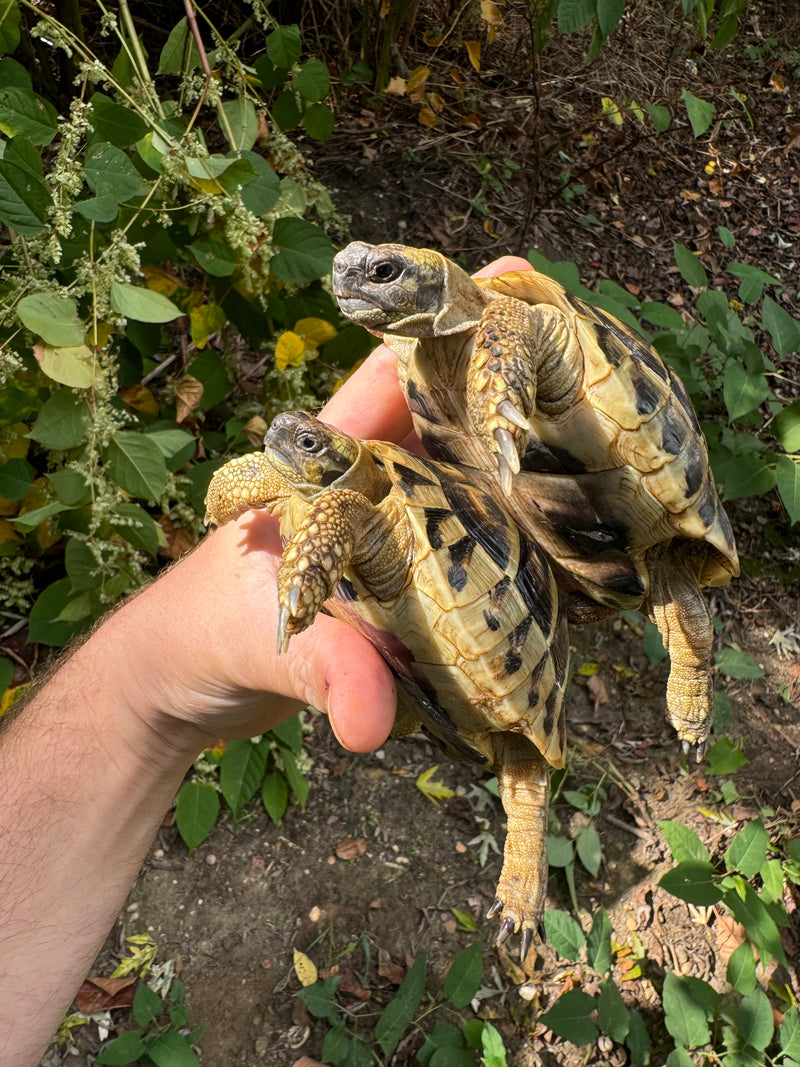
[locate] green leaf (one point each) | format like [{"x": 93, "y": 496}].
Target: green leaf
[
  {"x": 127, "y": 1048},
  {"x": 319, "y": 122},
  {"x": 9, "y": 26},
  {"x": 284, "y": 46},
  {"x": 318, "y": 998},
  {"x": 6, "y": 673},
  {"x": 747, "y": 475},
  {"x": 789, "y": 1033},
  {"x": 743, "y": 391},
  {"x": 748, "y": 850},
  {"x": 300, "y": 787},
  {"x": 305, "y": 252},
  {"x": 44, "y": 625},
  {"x": 653, "y": 643},
  {"x": 16, "y": 478},
  {"x": 176, "y": 446},
  {"x": 734, "y": 663},
  {"x": 560, "y": 851},
  {"x": 98, "y": 209},
  {"x": 661, "y": 117},
  {"x": 701, "y": 112},
  {"x": 494, "y": 1051},
  {"x": 679, "y": 1057},
  {"x": 290, "y": 733},
  {"x": 464, "y": 976},
  {"x": 399, "y": 1012},
  {"x": 214, "y": 254},
  {"x": 570, "y": 1017},
  {"x": 787, "y": 473},
  {"x": 138, "y": 528},
  {"x": 783, "y": 329},
  {"x": 725, "y": 757},
  {"x": 692, "y": 270},
  {"x": 688, "y": 1003},
  {"x": 692, "y": 881},
  {"x": 109, "y": 172},
  {"x": 147, "y": 1005},
  {"x": 136, "y": 464},
  {"x": 741, "y": 969},
  {"x": 31, "y": 519},
  {"x": 62, "y": 421},
  {"x": 312, "y": 81},
  {"x": 144, "y": 305},
  {"x": 262, "y": 194},
  {"x": 24, "y": 114},
  {"x": 725, "y": 235},
  {"x": 612, "y": 1015},
  {"x": 772, "y": 881},
  {"x": 609, "y": 13},
  {"x": 589, "y": 849},
  {"x": 755, "y": 918},
  {"x": 285, "y": 111},
  {"x": 81, "y": 565},
  {"x": 275, "y": 795},
  {"x": 196, "y": 812},
  {"x": 684, "y": 844},
  {"x": 171, "y": 1049},
  {"x": 53, "y": 318},
  {"x": 24, "y": 199},
  {"x": 662, "y": 315},
  {"x": 785, "y": 427},
  {"x": 564, "y": 933},
  {"x": 241, "y": 771},
  {"x": 575, "y": 14},
  {"x": 753, "y": 281},
  {"x": 638, "y": 1040},
  {"x": 76, "y": 366},
  {"x": 120, "y": 125},
  {"x": 243, "y": 122},
  {"x": 754, "y": 1020},
  {"x": 180, "y": 53},
  {"x": 598, "y": 943}
]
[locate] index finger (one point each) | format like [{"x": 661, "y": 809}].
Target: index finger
[{"x": 370, "y": 404}]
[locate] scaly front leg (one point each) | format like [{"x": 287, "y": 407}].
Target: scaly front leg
[{"x": 244, "y": 483}]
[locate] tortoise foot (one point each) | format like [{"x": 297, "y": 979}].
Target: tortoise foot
[{"x": 511, "y": 923}]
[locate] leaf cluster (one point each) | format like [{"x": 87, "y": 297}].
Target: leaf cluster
[{"x": 161, "y": 1035}]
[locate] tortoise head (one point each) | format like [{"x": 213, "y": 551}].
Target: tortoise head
[
  {"x": 415, "y": 292},
  {"x": 308, "y": 453}
]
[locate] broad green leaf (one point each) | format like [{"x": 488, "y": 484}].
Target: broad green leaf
[
  {"x": 275, "y": 795},
  {"x": 138, "y": 528},
  {"x": 299, "y": 785},
  {"x": 789, "y": 1033},
  {"x": 748, "y": 850},
  {"x": 172, "y": 1049},
  {"x": 24, "y": 199},
  {"x": 214, "y": 254},
  {"x": 692, "y": 270},
  {"x": 399, "y": 1012},
  {"x": 241, "y": 771},
  {"x": 687, "y": 1008},
  {"x": 662, "y": 315},
  {"x": 304, "y": 254},
  {"x": 269, "y": 75},
  {"x": 206, "y": 319},
  {"x": 734, "y": 663},
  {"x": 638, "y": 1040},
  {"x": 144, "y": 305},
  {"x": 196, "y": 812},
  {"x": 754, "y": 1020},
  {"x": 290, "y": 733},
  {"x": 747, "y": 475},
  {"x": 772, "y": 881},
  {"x": 16, "y": 478},
  {"x": 179, "y": 55},
  {"x": 725, "y": 235},
  {"x": 653, "y": 643},
  {"x": 127, "y": 1048},
  {"x": 136, "y": 464},
  {"x": 570, "y": 1017},
  {"x": 692, "y": 881},
  {"x": 98, "y": 208},
  {"x": 45, "y": 625},
  {"x": 494, "y": 1051},
  {"x": 785, "y": 427},
  {"x": 609, "y": 12},
  {"x": 312, "y": 81},
  {"x": 701, "y": 112},
  {"x": 319, "y": 122},
  {"x": 612, "y": 1015},
  {"x": 755, "y": 918},
  {"x": 589, "y": 849},
  {"x": 176, "y": 446},
  {"x": 115, "y": 123},
  {"x": 787, "y": 474},
  {"x": 81, "y": 565},
  {"x": 722, "y": 711},
  {"x": 784, "y": 330},
  {"x": 598, "y": 943},
  {"x": 109, "y": 172},
  {"x": 466, "y": 920},
  {"x": 684, "y": 844},
  {"x": 24, "y": 154},
  {"x": 679, "y": 1057},
  {"x": 464, "y": 976},
  {"x": 24, "y": 114},
  {"x": 564, "y": 933},
  {"x": 285, "y": 111},
  {"x": 661, "y": 117},
  {"x": 741, "y": 969},
  {"x": 262, "y": 194},
  {"x": 29, "y": 520},
  {"x": 742, "y": 390},
  {"x": 575, "y": 14},
  {"x": 76, "y": 367},
  {"x": 318, "y": 998},
  {"x": 62, "y": 421},
  {"x": 284, "y": 46},
  {"x": 53, "y": 318},
  {"x": 725, "y": 757},
  {"x": 560, "y": 850},
  {"x": 753, "y": 281},
  {"x": 243, "y": 122},
  {"x": 9, "y": 26}
]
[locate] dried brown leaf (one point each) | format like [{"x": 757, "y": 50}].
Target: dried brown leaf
[
  {"x": 139, "y": 398},
  {"x": 392, "y": 972},
  {"x": 351, "y": 848},
  {"x": 103, "y": 994},
  {"x": 427, "y": 117},
  {"x": 397, "y": 87},
  {"x": 188, "y": 394}
]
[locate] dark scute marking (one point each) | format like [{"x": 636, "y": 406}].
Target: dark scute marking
[
  {"x": 630, "y": 343},
  {"x": 679, "y": 391},
  {"x": 482, "y": 518},
  {"x": 695, "y": 469},
  {"x": 536, "y": 681},
  {"x": 707, "y": 507},
  {"x": 550, "y": 459},
  {"x": 673, "y": 431},
  {"x": 409, "y": 479},
  {"x": 533, "y": 582},
  {"x": 346, "y": 590},
  {"x": 609, "y": 345},
  {"x": 491, "y": 620},
  {"x": 513, "y": 658},
  {"x": 629, "y": 584},
  {"x": 434, "y": 517},
  {"x": 439, "y": 448},
  {"x": 590, "y": 539},
  {"x": 460, "y": 555},
  {"x": 418, "y": 402},
  {"x": 552, "y": 708},
  {"x": 647, "y": 397}
]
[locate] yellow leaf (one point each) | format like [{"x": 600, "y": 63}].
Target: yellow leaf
[
  {"x": 11, "y": 696},
  {"x": 161, "y": 281},
  {"x": 586, "y": 670},
  {"x": 305, "y": 968},
  {"x": 75, "y": 367},
  {"x": 417, "y": 79},
  {"x": 7, "y": 531},
  {"x": 16, "y": 446},
  {"x": 436, "y": 102},
  {"x": 314, "y": 331},
  {"x": 490, "y": 13},
  {"x": 427, "y": 117},
  {"x": 474, "y": 53},
  {"x": 433, "y": 789},
  {"x": 710, "y": 167},
  {"x": 611, "y": 111},
  {"x": 488, "y": 226},
  {"x": 206, "y": 319},
  {"x": 140, "y": 398},
  {"x": 289, "y": 350}
]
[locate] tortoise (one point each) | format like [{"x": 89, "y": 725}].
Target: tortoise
[
  {"x": 463, "y": 607},
  {"x": 591, "y": 438}
]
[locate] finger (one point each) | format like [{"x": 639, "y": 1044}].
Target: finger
[
  {"x": 502, "y": 266},
  {"x": 371, "y": 404}
]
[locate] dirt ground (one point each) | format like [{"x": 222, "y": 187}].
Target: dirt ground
[{"x": 231, "y": 914}]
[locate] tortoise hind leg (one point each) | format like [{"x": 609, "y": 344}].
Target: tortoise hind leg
[
  {"x": 678, "y": 608},
  {"x": 524, "y": 782}
]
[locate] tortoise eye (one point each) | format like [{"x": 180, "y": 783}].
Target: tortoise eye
[
  {"x": 308, "y": 443},
  {"x": 385, "y": 271}
]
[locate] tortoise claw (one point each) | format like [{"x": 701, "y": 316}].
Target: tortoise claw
[
  {"x": 495, "y": 909},
  {"x": 540, "y": 930},
  {"x": 513, "y": 414},
  {"x": 506, "y": 930},
  {"x": 527, "y": 941},
  {"x": 283, "y": 637},
  {"x": 508, "y": 450}
]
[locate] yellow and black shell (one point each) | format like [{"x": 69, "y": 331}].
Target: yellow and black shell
[{"x": 477, "y": 637}]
